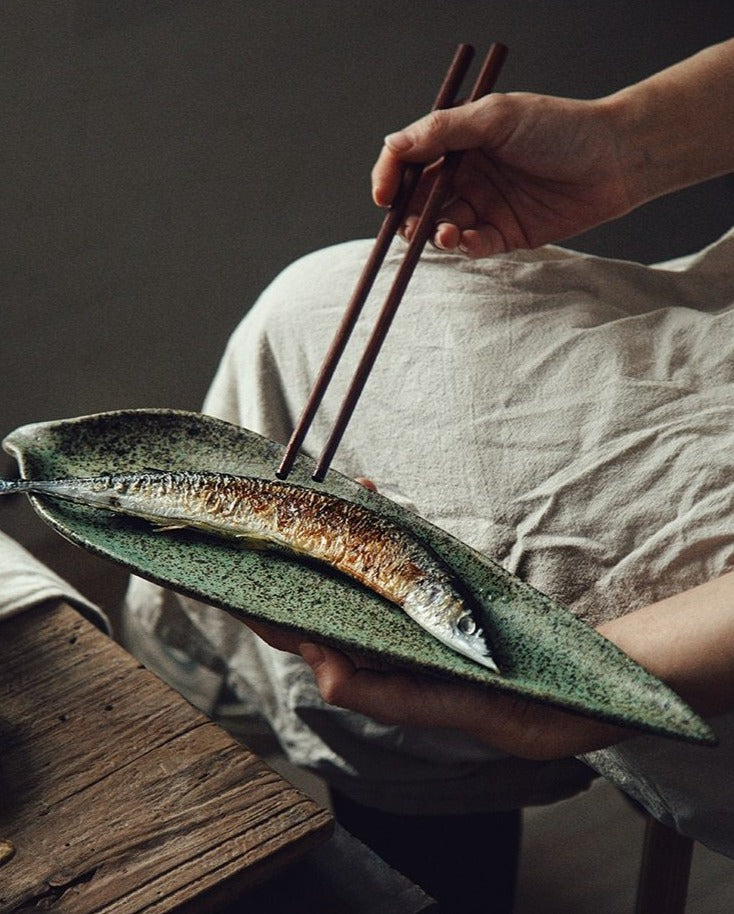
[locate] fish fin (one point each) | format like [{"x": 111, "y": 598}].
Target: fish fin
[{"x": 254, "y": 542}]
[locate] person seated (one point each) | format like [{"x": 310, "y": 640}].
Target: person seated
[{"x": 568, "y": 415}]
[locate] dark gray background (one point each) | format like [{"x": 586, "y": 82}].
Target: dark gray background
[{"x": 162, "y": 161}]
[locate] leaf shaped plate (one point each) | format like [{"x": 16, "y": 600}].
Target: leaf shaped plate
[{"x": 544, "y": 652}]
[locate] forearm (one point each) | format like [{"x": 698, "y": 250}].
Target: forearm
[
  {"x": 687, "y": 641},
  {"x": 676, "y": 128}
]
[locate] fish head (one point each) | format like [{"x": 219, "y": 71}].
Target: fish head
[
  {"x": 469, "y": 638},
  {"x": 442, "y": 611}
]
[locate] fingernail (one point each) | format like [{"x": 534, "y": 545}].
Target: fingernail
[
  {"x": 398, "y": 142},
  {"x": 367, "y": 483},
  {"x": 311, "y": 653},
  {"x": 377, "y": 198}
]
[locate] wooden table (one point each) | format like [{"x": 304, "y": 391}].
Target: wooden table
[{"x": 116, "y": 795}]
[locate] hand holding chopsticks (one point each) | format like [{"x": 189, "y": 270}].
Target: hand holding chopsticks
[{"x": 436, "y": 199}]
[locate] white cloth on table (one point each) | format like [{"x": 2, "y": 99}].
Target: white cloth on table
[
  {"x": 26, "y": 582},
  {"x": 570, "y": 416}
]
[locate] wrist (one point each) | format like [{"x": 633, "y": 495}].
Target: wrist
[
  {"x": 676, "y": 128},
  {"x": 651, "y": 148},
  {"x": 629, "y": 124},
  {"x": 687, "y": 641}
]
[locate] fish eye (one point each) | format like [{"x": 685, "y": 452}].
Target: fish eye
[{"x": 467, "y": 625}]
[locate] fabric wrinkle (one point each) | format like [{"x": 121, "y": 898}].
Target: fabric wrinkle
[{"x": 565, "y": 414}]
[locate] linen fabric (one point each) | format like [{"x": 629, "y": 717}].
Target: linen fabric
[
  {"x": 570, "y": 416},
  {"x": 27, "y": 582}
]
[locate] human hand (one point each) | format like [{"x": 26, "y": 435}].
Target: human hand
[
  {"x": 397, "y": 697},
  {"x": 536, "y": 169},
  {"x": 507, "y": 722},
  {"x": 687, "y": 640},
  {"x": 393, "y": 696},
  {"x": 539, "y": 169}
]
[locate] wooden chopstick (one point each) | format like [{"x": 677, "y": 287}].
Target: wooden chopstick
[
  {"x": 438, "y": 195},
  {"x": 436, "y": 198},
  {"x": 391, "y": 223}
]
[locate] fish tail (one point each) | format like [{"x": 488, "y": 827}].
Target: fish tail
[
  {"x": 57, "y": 487},
  {"x": 12, "y": 486}
]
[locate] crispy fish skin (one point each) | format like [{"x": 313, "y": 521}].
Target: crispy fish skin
[{"x": 344, "y": 535}]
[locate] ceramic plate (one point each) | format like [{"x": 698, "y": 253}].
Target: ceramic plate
[{"x": 544, "y": 651}]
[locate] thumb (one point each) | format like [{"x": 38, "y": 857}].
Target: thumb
[{"x": 428, "y": 138}]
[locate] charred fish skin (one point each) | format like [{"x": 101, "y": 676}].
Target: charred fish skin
[{"x": 344, "y": 535}]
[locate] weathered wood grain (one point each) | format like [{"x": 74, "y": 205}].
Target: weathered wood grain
[{"x": 116, "y": 794}]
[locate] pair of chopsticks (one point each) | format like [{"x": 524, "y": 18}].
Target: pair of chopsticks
[{"x": 393, "y": 220}]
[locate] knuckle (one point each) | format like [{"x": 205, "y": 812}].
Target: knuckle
[
  {"x": 434, "y": 123},
  {"x": 330, "y": 693}
]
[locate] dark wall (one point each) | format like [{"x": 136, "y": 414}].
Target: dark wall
[{"x": 162, "y": 161}]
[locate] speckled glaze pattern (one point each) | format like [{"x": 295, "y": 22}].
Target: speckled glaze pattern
[{"x": 544, "y": 652}]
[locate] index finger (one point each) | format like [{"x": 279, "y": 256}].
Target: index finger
[{"x": 386, "y": 176}]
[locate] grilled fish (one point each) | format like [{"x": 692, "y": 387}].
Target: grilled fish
[{"x": 346, "y": 536}]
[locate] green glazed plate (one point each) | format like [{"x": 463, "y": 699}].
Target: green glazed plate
[{"x": 544, "y": 652}]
